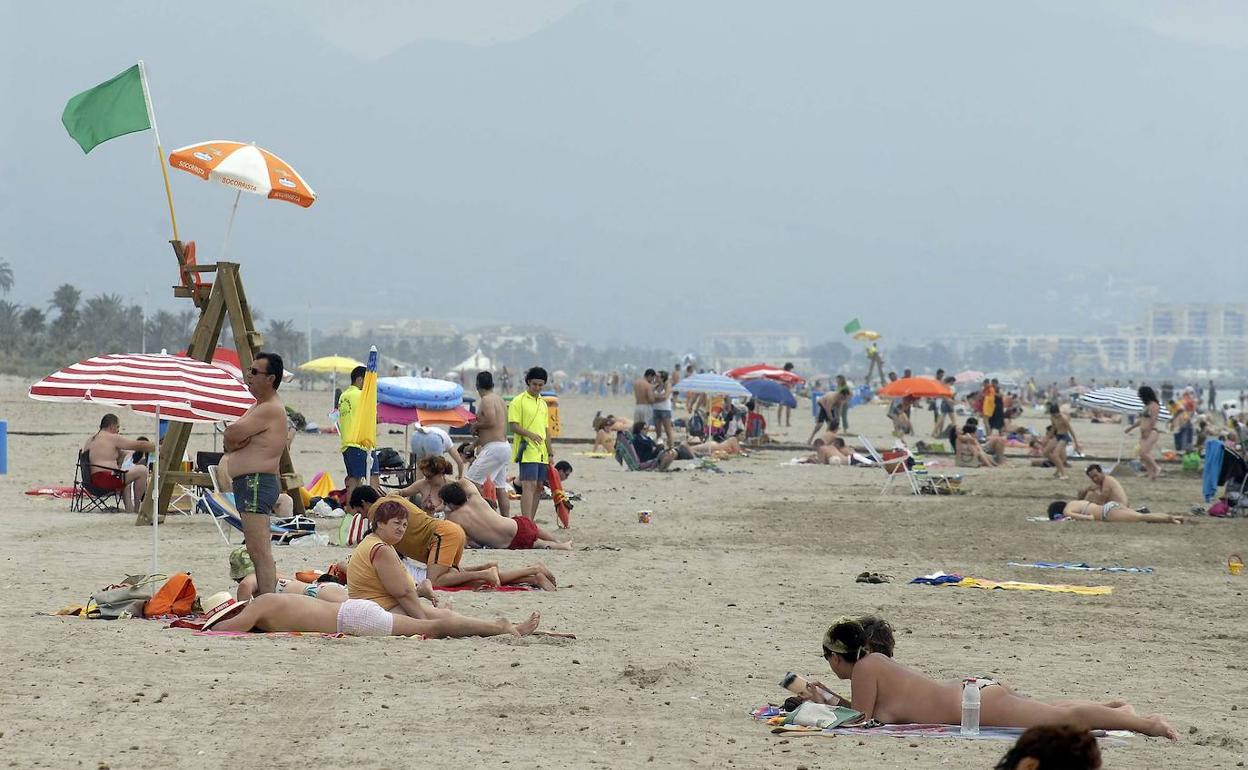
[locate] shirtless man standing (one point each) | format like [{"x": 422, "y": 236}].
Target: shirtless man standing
[
  {"x": 830, "y": 408},
  {"x": 466, "y": 507},
  {"x": 106, "y": 449},
  {"x": 643, "y": 395},
  {"x": 253, "y": 452},
  {"x": 1103, "y": 488},
  {"x": 493, "y": 451}
]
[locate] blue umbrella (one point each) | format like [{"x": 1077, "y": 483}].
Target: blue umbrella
[
  {"x": 711, "y": 384},
  {"x": 771, "y": 392}
]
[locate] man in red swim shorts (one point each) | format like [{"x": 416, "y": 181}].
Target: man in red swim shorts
[
  {"x": 107, "y": 449},
  {"x": 486, "y": 526}
]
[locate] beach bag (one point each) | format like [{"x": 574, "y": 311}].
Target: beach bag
[
  {"x": 124, "y": 599},
  {"x": 175, "y": 597},
  {"x": 389, "y": 458},
  {"x": 1191, "y": 461}
]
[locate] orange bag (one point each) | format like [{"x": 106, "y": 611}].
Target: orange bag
[{"x": 175, "y": 597}]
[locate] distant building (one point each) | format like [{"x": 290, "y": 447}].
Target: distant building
[
  {"x": 1197, "y": 320},
  {"x": 725, "y": 350},
  {"x": 401, "y": 328}
]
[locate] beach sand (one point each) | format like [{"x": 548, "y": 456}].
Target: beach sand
[{"x": 682, "y": 625}]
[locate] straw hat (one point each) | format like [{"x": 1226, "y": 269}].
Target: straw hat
[{"x": 220, "y": 606}]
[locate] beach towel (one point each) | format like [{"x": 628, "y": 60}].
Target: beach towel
[
  {"x": 270, "y": 634},
  {"x": 958, "y": 581},
  {"x": 61, "y": 493},
  {"x": 485, "y": 588},
  {"x": 594, "y": 454},
  {"x": 1214, "y": 450},
  {"x": 1078, "y": 565},
  {"x": 1046, "y": 519}
]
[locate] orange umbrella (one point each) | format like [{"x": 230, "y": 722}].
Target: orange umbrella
[
  {"x": 243, "y": 168},
  {"x": 915, "y": 387}
]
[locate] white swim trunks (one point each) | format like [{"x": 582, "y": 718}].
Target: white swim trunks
[
  {"x": 361, "y": 617},
  {"x": 491, "y": 463}
]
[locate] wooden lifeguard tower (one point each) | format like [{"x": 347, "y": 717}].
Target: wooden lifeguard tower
[{"x": 217, "y": 301}]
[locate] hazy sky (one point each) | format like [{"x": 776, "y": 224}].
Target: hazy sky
[{"x": 654, "y": 170}]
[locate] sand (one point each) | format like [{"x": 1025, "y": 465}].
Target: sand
[{"x": 682, "y": 625}]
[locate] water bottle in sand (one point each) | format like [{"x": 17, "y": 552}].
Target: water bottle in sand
[{"x": 970, "y": 707}]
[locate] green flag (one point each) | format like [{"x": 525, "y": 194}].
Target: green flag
[
  {"x": 852, "y": 326},
  {"x": 111, "y": 109}
]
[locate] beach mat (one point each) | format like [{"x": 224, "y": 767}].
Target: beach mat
[
  {"x": 60, "y": 493},
  {"x": 958, "y": 581},
  {"x": 910, "y": 731},
  {"x": 1079, "y": 566}
]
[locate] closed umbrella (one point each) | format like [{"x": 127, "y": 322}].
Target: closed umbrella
[
  {"x": 915, "y": 387},
  {"x": 771, "y": 392},
  {"x": 364, "y": 421},
  {"x": 170, "y": 387}
]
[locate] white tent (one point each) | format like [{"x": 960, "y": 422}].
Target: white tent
[{"x": 477, "y": 362}]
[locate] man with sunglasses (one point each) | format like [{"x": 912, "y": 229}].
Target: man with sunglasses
[{"x": 254, "y": 446}]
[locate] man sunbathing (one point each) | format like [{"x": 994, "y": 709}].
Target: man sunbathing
[
  {"x": 834, "y": 452},
  {"x": 439, "y": 545},
  {"x": 713, "y": 448},
  {"x": 1103, "y": 489},
  {"x": 888, "y": 692},
  {"x": 1109, "y": 511},
  {"x": 356, "y": 617},
  {"x": 466, "y": 507}
]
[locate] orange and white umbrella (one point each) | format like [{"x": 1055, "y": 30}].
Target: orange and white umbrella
[{"x": 243, "y": 168}]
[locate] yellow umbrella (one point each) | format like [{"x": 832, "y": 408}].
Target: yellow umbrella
[
  {"x": 331, "y": 365},
  {"x": 866, "y": 336}
]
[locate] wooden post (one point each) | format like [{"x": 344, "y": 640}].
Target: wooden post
[{"x": 221, "y": 300}]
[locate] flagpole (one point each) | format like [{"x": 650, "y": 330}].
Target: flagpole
[{"x": 160, "y": 151}]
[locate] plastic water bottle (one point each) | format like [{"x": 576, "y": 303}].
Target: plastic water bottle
[{"x": 970, "y": 707}]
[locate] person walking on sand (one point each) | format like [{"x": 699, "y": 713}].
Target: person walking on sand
[
  {"x": 1148, "y": 430},
  {"x": 253, "y": 451},
  {"x": 493, "y": 452},
  {"x": 528, "y": 415},
  {"x": 1063, "y": 434}
]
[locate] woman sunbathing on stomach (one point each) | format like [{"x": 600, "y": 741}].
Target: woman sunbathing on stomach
[{"x": 891, "y": 693}]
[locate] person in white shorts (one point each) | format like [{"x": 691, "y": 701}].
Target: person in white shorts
[{"x": 493, "y": 452}]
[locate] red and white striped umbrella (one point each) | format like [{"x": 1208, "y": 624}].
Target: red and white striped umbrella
[
  {"x": 183, "y": 389},
  {"x": 765, "y": 372}
]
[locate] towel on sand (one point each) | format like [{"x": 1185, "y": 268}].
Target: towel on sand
[
  {"x": 1077, "y": 565},
  {"x": 485, "y": 588},
  {"x": 958, "y": 581}
]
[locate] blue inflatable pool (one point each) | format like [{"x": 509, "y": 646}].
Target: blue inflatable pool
[{"x": 419, "y": 392}]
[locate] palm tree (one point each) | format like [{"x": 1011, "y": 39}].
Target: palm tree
[
  {"x": 6, "y": 276},
  {"x": 65, "y": 299},
  {"x": 283, "y": 338},
  {"x": 32, "y": 321},
  {"x": 10, "y": 322}
]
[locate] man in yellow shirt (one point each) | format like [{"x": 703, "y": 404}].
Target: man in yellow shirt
[
  {"x": 527, "y": 415},
  {"x": 354, "y": 456}
]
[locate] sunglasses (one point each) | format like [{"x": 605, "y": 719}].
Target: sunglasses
[
  {"x": 827, "y": 653},
  {"x": 254, "y": 370}
]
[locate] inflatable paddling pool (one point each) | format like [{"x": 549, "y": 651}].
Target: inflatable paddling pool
[{"x": 419, "y": 392}]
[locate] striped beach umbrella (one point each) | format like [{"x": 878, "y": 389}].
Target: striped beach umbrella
[
  {"x": 1118, "y": 400},
  {"x": 244, "y": 168},
  {"x": 182, "y": 389},
  {"x": 170, "y": 387},
  {"x": 712, "y": 385}
]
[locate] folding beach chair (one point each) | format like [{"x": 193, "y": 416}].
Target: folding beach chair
[
  {"x": 892, "y": 467},
  {"x": 220, "y": 506},
  {"x": 89, "y": 497},
  {"x": 626, "y": 453}
]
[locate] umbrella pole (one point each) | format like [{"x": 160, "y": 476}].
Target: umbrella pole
[
  {"x": 230, "y": 226},
  {"x": 155, "y": 487}
]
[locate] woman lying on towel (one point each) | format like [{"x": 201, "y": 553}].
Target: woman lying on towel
[
  {"x": 1110, "y": 511},
  {"x": 890, "y": 693}
]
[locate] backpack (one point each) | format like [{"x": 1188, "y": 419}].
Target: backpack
[
  {"x": 175, "y": 597},
  {"x": 389, "y": 458}
]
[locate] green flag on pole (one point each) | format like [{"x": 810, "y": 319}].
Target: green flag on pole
[
  {"x": 111, "y": 109},
  {"x": 852, "y": 326}
]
